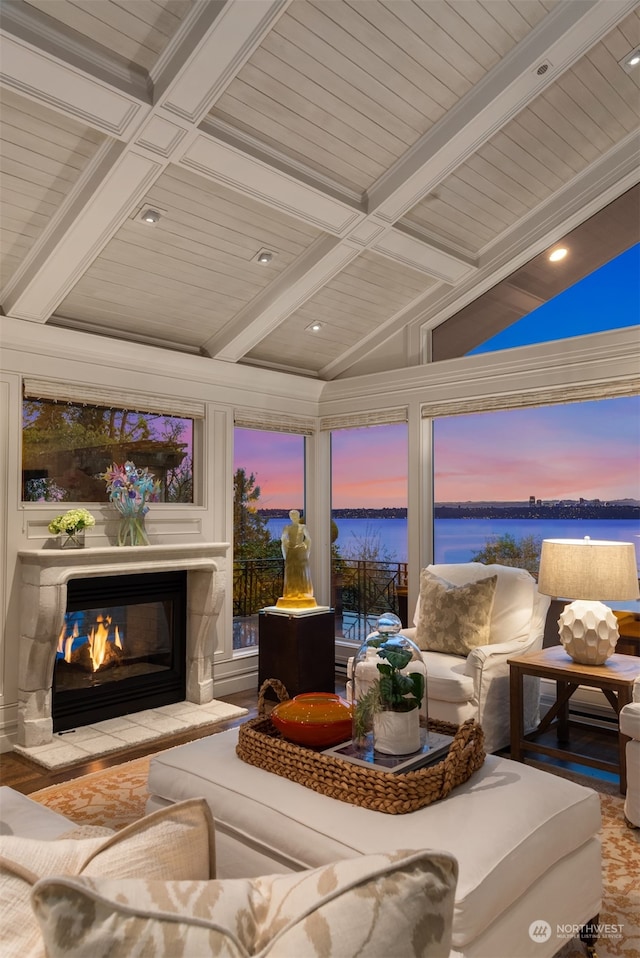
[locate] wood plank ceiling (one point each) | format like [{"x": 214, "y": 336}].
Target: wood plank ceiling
[{"x": 397, "y": 158}]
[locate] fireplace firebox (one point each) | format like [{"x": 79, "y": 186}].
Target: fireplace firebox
[{"x": 121, "y": 648}]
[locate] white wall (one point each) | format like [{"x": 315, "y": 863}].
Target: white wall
[
  {"x": 33, "y": 350},
  {"x": 46, "y": 352}
]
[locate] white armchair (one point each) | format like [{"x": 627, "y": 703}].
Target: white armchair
[
  {"x": 476, "y": 685},
  {"x": 630, "y": 725}
]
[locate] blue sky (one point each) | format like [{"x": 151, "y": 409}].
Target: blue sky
[{"x": 607, "y": 299}]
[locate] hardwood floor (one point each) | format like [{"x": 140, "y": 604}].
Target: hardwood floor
[{"x": 26, "y": 777}]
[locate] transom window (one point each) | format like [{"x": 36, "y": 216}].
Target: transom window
[{"x": 66, "y": 446}]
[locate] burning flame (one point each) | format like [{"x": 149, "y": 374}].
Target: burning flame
[
  {"x": 65, "y": 642},
  {"x": 97, "y": 640}
]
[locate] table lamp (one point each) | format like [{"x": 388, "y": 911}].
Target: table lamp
[{"x": 588, "y": 570}]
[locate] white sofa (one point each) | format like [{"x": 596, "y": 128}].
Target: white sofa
[
  {"x": 150, "y": 889},
  {"x": 476, "y": 685}
]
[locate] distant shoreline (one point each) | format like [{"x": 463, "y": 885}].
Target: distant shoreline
[{"x": 482, "y": 510}]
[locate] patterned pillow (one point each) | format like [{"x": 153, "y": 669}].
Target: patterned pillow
[
  {"x": 173, "y": 843},
  {"x": 398, "y": 905},
  {"x": 454, "y": 618}
]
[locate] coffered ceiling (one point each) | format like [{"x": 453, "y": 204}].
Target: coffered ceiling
[{"x": 397, "y": 159}]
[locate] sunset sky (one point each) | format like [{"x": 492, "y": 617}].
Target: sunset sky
[
  {"x": 555, "y": 452},
  {"x": 277, "y": 461},
  {"x": 589, "y": 450}
]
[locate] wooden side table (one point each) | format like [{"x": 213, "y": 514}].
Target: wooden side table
[{"x": 614, "y": 679}]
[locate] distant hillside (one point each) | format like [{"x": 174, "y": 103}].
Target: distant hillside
[{"x": 568, "y": 509}]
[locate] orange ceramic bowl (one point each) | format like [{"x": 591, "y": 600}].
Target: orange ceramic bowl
[{"x": 316, "y": 719}]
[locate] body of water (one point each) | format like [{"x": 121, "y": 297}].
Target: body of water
[{"x": 457, "y": 540}]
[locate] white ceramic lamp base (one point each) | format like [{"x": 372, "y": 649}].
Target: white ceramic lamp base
[{"x": 588, "y": 631}]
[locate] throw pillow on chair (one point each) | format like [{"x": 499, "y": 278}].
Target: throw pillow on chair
[{"x": 454, "y": 618}]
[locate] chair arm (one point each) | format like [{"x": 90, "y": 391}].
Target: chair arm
[
  {"x": 630, "y": 720},
  {"x": 480, "y": 656}
]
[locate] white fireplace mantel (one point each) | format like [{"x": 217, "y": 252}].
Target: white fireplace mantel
[{"x": 44, "y": 577}]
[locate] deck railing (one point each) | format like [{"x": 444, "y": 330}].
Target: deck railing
[
  {"x": 362, "y": 590},
  {"x": 256, "y": 583}
]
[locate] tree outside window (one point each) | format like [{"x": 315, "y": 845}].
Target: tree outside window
[
  {"x": 268, "y": 481},
  {"x": 66, "y": 446}
]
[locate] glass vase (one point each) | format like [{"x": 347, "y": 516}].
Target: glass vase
[
  {"x": 385, "y": 685},
  {"x": 72, "y": 540},
  {"x": 132, "y": 531}
]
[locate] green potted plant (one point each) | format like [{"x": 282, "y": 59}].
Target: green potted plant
[{"x": 390, "y": 704}]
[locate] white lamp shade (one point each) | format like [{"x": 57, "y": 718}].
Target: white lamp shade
[{"x": 588, "y": 569}]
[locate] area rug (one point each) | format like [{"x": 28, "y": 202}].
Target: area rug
[{"x": 117, "y": 796}]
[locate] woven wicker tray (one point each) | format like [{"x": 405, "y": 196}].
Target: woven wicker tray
[{"x": 260, "y": 744}]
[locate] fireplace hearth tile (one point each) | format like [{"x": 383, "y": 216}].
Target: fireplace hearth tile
[
  {"x": 214, "y": 708},
  {"x": 179, "y": 709},
  {"x": 162, "y": 725},
  {"x": 103, "y": 738},
  {"x": 86, "y": 735},
  {"x": 170, "y": 724},
  {"x": 115, "y": 726}
]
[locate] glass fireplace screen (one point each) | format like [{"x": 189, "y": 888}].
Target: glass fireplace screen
[{"x": 121, "y": 648}]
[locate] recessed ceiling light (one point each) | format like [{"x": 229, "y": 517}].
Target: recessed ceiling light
[
  {"x": 630, "y": 61},
  {"x": 558, "y": 254},
  {"x": 314, "y": 328},
  {"x": 264, "y": 256},
  {"x": 148, "y": 215}
]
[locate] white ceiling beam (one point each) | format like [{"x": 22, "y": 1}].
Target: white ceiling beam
[
  {"x": 409, "y": 250},
  {"x": 235, "y": 28},
  {"x": 82, "y": 230},
  {"x": 309, "y": 273},
  {"x": 590, "y": 191},
  {"x": 404, "y": 319},
  {"x": 571, "y": 29},
  {"x": 586, "y": 194},
  {"x": 253, "y": 176},
  {"x": 120, "y": 173},
  {"x": 40, "y": 76}
]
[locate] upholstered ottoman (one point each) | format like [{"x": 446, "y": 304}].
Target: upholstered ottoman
[{"x": 526, "y": 841}]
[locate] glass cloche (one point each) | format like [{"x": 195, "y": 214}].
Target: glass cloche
[{"x": 389, "y": 690}]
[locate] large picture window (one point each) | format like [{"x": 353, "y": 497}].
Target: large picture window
[
  {"x": 506, "y": 480},
  {"x": 66, "y": 446},
  {"x": 369, "y": 525},
  {"x": 268, "y": 481}
]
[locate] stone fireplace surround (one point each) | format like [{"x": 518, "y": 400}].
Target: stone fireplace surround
[{"x": 43, "y": 601}]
